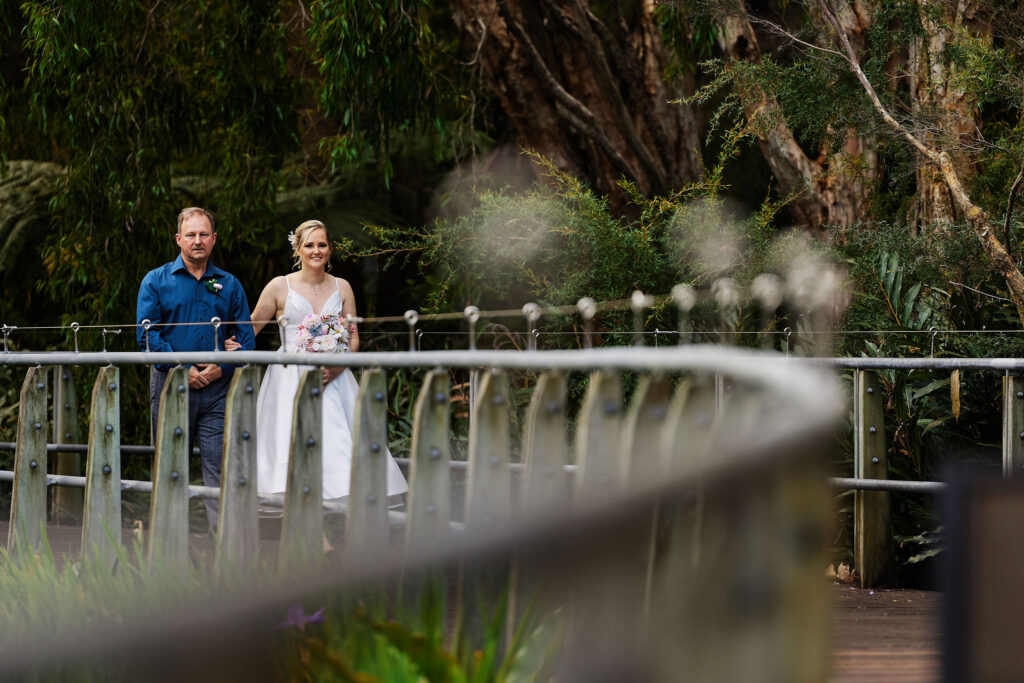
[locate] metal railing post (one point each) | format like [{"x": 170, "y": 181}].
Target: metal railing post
[{"x": 1013, "y": 424}]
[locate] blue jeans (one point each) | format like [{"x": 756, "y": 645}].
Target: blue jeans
[{"x": 205, "y": 425}]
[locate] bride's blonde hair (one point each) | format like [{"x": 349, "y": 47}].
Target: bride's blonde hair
[{"x": 298, "y": 238}]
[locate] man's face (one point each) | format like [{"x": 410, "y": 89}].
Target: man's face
[{"x": 196, "y": 238}]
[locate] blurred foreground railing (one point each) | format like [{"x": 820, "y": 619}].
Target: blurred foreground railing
[{"x": 689, "y": 539}]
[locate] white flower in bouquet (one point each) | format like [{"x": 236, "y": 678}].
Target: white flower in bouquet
[{"x": 322, "y": 333}]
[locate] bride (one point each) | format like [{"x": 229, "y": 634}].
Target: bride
[{"x": 296, "y": 295}]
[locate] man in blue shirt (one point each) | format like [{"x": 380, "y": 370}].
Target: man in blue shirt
[{"x": 190, "y": 289}]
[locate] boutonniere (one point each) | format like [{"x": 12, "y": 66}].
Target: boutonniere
[{"x": 214, "y": 286}]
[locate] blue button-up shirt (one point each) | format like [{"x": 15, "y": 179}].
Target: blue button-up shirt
[{"x": 170, "y": 294}]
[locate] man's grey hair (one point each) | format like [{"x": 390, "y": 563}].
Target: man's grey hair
[{"x": 188, "y": 212}]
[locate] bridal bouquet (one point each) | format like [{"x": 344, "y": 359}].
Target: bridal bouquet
[{"x": 322, "y": 333}]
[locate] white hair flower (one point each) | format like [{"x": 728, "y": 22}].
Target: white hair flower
[{"x": 291, "y": 239}]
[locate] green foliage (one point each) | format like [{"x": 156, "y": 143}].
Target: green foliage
[
  {"x": 558, "y": 242},
  {"x": 904, "y": 285},
  {"x": 688, "y": 35},
  {"x": 133, "y": 92},
  {"x": 383, "y": 70},
  {"x": 360, "y": 641}
]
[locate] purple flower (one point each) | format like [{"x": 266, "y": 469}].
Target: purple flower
[{"x": 298, "y": 618}]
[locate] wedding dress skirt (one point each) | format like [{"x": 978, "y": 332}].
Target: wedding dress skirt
[{"x": 274, "y": 417}]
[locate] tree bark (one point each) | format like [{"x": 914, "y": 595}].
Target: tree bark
[
  {"x": 976, "y": 217},
  {"x": 587, "y": 93},
  {"x": 951, "y": 115},
  {"x": 826, "y": 191}
]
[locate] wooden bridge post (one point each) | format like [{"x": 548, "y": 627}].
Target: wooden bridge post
[
  {"x": 67, "y": 500},
  {"x": 489, "y": 494},
  {"x": 28, "y": 506},
  {"x": 429, "y": 478},
  {"x": 600, "y": 477},
  {"x": 238, "y": 533},
  {"x": 736, "y": 593},
  {"x": 546, "y": 488},
  {"x": 302, "y": 529},
  {"x": 101, "y": 524},
  {"x": 872, "y": 527},
  {"x": 1013, "y": 425},
  {"x": 168, "y": 507},
  {"x": 366, "y": 527},
  {"x": 643, "y": 441},
  {"x": 643, "y": 430},
  {"x": 545, "y": 447},
  {"x": 693, "y": 421},
  {"x": 599, "y": 460},
  {"x": 429, "y": 500}
]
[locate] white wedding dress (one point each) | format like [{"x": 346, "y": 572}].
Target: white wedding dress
[{"x": 274, "y": 416}]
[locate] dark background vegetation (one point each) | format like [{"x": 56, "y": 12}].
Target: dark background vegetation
[{"x": 475, "y": 152}]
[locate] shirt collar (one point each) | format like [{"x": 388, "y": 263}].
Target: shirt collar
[{"x": 211, "y": 270}]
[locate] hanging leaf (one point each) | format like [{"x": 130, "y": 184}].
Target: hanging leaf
[{"x": 954, "y": 393}]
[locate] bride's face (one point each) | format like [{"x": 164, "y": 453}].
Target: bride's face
[{"x": 315, "y": 251}]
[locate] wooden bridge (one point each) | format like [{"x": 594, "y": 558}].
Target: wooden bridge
[{"x": 703, "y": 509}]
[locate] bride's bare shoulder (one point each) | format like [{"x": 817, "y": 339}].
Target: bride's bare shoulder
[
  {"x": 343, "y": 285},
  {"x": 277, "y": 288}
]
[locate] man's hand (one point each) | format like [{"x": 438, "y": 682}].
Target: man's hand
[{"x": 200, "y": 376}]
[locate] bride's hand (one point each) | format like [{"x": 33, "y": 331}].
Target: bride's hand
[
  {"x": 331, "y": 374},
  {"x": 231, "y": 344}
]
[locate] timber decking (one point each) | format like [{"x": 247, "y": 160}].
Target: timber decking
[{"x": 886, "y": 635}]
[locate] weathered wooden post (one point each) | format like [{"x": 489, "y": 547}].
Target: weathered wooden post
[
  {"x": 489, "y": 495},
  {"x": 546, "y": 488},
  {"x": 600, "y": 478},
  {"x": 429, "y": 480},
  {"x": 168, "y": 508},
  {"x": 488, "y": 504},
  {"x": 599, "y": 459},
  {"x": 101, "y": 525},
  {"x": 644, "y": 443},
  {"x": 737, "y": 597},
  {"x": 1013, "y": 425},
  {"x": 872, "y": 528},
  {"x": 302, "y": 530},
  {"x": 643, "y": 430},
  {"x": 67, "y": 501},
  {"x": 545, "y": 446},
  {"x": 366, "y": 527},
  {"x": 28, "y": 506},
  {"x": 238, "y": 533},
  {"x": 429, "y": 501}
]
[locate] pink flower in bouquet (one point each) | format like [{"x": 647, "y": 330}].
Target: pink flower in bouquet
[{"x": 322, "y": 333}]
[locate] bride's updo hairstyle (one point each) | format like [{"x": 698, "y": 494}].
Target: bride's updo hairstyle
[{"x": 298, "y": 238}]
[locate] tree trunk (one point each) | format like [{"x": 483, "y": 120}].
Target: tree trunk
[
  {"x": 983, "y": 228},
  {"x": 587, "y": 94},
  {"x": 951, "y": 114},
  {"x": 976, "y": 217},
  {"x": 826, "y": 191}
]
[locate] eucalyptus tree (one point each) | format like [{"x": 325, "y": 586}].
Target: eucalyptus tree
[
  {"x": 136, "y": 93},
  {"x": 933, "y": 85},
  {"x": 589, "y": 86}
]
